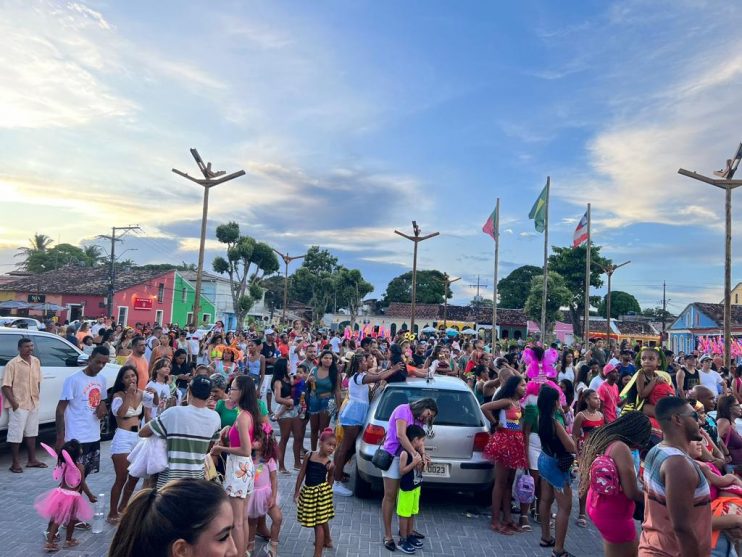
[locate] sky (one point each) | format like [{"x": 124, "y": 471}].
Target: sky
[{"x": 352, "y": 119}]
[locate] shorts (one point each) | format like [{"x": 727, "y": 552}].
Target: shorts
[
  {"x": 353, "y": 413},
  {"x": 124, "y": 441},
  {"x": 90, "y": 458},
  {"x": 393, "y": 472},
  {"x": 22, "y": 423},
  {"x": 548, "y": 469},
  {"x": 408, "y": 502},
  {"x": 534, "y": 450},
  {"x": 317, "y": 404},
  {"x": 267, "y": 380},
  {"x": 239, "y": 476}
]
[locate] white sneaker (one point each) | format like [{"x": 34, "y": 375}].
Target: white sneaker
[{"x": 340, "y": 489}]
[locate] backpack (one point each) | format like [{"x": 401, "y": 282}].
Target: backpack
[
  {"x": 604, "y": 479},
  {"x": 525, "y": 489}
]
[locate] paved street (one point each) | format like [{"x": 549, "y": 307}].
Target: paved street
[{"x": 452, "y": 523}]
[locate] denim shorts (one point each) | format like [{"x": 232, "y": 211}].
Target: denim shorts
[
  {"x": 548, "y": 468},
  {"x": 317, "y": 404}
]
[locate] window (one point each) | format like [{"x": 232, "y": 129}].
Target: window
[
  {"x": 123, "y": 315},
  {"x": 158, "y": 316},
  {"x": 736, "y": 298},
  {"x": 183, "y": 295},
  {"x": 8, "y": 348},
  {"x": 456, "y": 408},
  {"x": 160, "y": 293},
  {"x": 55, "y": 352},
  {"x": 189, "y": 318},
  {"x": 206, "y": 318}
]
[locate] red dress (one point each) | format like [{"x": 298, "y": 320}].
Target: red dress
[{"x": 506, "y": 446}]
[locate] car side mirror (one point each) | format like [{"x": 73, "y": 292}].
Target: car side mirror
[{"x": 81, "y": 360}]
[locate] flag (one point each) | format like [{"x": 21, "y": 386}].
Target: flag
[
  {"x": 538, "y": 211},
  {"x": 580, "y": 236},
  {"x": 490, "y": 227}
]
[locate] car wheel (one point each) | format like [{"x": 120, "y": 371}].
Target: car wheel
[{"x": 362, "y": 489}]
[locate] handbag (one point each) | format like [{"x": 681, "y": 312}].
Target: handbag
[
  {"x": 382, "y": 458},
  {"x": 148, "y": 457},
  {"x": 210, "y": 472},
  {"x": 565, "y": 461}
]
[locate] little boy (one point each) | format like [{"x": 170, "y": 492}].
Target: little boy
[{"x": 408, "y": 499}]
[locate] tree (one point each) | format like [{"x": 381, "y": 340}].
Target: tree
[
  {"x": 273, "y": 292},
  {"x": 351, "y": 288},
  {"x": 513, "y": 290},
  {"x": 247, "y": 262},
  {"x": 621, "y": 304},
  {"x": 569, "y": 262},
  {"x": 37, "y": 244},
  {"x": 430, "y": 288},
  {"x": 656, "y": 313},
  {"x": 557, "y": 295},
  {"x": 93, "y": 255}
]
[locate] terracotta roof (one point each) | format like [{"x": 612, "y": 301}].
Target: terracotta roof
[
  {"x": 483, "y": 315},
  {"x": 636, "y": 328},
  {"x": 72, "y": 279},
  {"x": 190, "y": 276},
  {"x": 422, "y": 311},
  {"x": 716, "y": 312}
]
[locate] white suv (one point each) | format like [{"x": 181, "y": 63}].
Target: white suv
[{"x": 59, "y": 359}]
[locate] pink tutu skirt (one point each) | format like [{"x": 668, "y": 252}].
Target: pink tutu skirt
[
  {"x": 257, "y": 504},
  {"x": 63, "y": 505}
]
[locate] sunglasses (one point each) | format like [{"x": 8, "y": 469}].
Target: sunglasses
[{"x": 693, "y": 415}]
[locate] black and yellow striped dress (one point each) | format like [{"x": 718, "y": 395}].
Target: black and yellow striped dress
[{"x": 315, "y": 499}]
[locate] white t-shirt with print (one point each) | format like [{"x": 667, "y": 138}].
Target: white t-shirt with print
[
  {"x": 712, "y": 380},
  {"x": 163, "y": 394},
  {"x": 84, "y": 394}
]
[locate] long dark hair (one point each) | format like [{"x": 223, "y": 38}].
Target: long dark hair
[
  {"x": 333, "y": 367},
  {"x": 547, "y": 398},
  {"x": 355, "y": 364},
  {"x": 568, "y": 389},
  {"x": 581, "y": 405},
  {"x": 280, "y": 370},
  {"x": 248, "y": 396},
  {"x": 563, "y": 363},
  {"x": 154, "y": 520},
  {"x": 419, "y": 406},
  {"x": 724, "y": 408},
  {"x": 509, "y": 389},
  {"x": 118, "y": 384}
]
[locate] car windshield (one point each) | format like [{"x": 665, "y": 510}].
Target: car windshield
[{"x": 456, "y": 408}]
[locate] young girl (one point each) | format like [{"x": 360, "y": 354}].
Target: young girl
[
  {"x": 264, "y": 498},
  {"x": 314, "y": 499},
  {"x": 158, "y": 396},
  {"x": 587, "y": 419},
  {"x": 64, "y": 504}
]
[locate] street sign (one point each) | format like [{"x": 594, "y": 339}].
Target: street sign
[
  {"x": 37, "y": 298},
  {"x": 142, "y": 303}
]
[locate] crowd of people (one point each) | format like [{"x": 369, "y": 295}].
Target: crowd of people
[{"x": 649, "y": 436}]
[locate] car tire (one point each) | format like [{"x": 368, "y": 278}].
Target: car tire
[{"x": 361, "y": 488}]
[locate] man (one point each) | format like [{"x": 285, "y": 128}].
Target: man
[
  {"x": 418, "y": 357},
  {"x": 139, "y": 361},
  {"x": 677, "y": 513},
  {"x": 608, "y": 395},
  {"x": 626, "y": 366},
  {"x": 599, "y": 378},
  {"x": 335, "y": 343},
  {"x": 194, "y": 340},
  {"x": 21, "y": 387},
  {"x": 310, "y": 357},
  {"x": 708, "y": 377},
  {"x": 97, "y": 326},
  {"x": 188, "y": 431},
  {"x": 152, "y": 341},
  {"x": 270, "y": 352},
  {"x": 599, "y": 352},
  {"x": 706, "y": 396},
  {"x": 81, "y": 407},
  {"x": 71, "y": 337},
  {"x": 687, "y": 376}
]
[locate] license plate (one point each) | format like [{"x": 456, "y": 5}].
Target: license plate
[{"x": 437, "y": 469}]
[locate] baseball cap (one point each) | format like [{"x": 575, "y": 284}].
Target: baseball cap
[
  {"x": 705, "y": 357},
  {"x": 607, "y": 368},
  {"x": 200, "y": 387},
  {"x": 269, "y": 331}
]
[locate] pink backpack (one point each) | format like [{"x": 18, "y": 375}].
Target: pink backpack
[{"x": 604, "y": 479}]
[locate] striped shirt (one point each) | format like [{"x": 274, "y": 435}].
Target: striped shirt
[
  {"x": 658, "y": 537},
  {"x": 188, "y": 431}
]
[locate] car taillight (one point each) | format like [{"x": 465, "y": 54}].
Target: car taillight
[
  {"x": 480, "y": 441},
  {"x": 373, "y": 434}
]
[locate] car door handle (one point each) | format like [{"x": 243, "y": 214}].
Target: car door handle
[{"x": 48, "y": 377}]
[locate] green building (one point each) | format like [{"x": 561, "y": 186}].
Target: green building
[{"x": 184, "y": 294}]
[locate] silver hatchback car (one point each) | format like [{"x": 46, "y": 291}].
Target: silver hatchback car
[{"x": 455, "y": 442}]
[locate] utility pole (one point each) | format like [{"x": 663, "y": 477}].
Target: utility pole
[
  {"x": 416, "y": 239},
  {"x": 446, "y": 283},
  {"x": 727, "y": 184},
  {"x": 478, "y": 285},
  {"x": 609, "y": 270},
  {"x": 112, "y": 269},
  {"x": 664, "y": 310},
  {"x": 288, "y": 259},
  {"x": 211, "y": 178}
]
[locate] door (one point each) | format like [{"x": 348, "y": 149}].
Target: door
[
  {"x": 75, "y": 312},
  {"x": 158, "y": 317},
  {"x": 8, "y": 351},
  {"x": 58, "y": 361},
  {"x": 123, "y": 315}
]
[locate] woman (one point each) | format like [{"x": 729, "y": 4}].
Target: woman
[
  {"x": 556, "y": 454},
  {"x": 162, "y": 350},
  {"x": 612, "y": 510},
  {"x": 353, "y": 415},
  {"x": 106, "y": 339},
  {"x": 82, "y": 332},
  {"x": 727, "y": 411},
  {"x": 127, "y": 408},
  {"x": 181, "y": 370},
  {"x": 583, "y": 378},
  {"x": 186, "y": 517},
  {"x": 324, "y": 387},
  {"x": 239, "y": 470},
  {"x": 289, "y": 422},
  {"x": 255, "y": 362},
  {"x": 508, "y": 450},
  {"x": 421, "y": 412},
  {"x": 737, "y": 383},
  {"x": 223, "y": 403},
  {"x": 123, "y": 349},
  {"x": 226, "y": 366},
  {"x": 566, "y": 367}
]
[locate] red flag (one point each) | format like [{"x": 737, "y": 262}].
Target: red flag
[{"x": 490, "y": 227}]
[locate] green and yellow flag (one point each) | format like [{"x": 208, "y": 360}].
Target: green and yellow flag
[{"x": 538, "y": 211}]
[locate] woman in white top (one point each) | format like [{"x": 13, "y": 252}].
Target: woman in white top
[
  {"x": 353, "y": 413},
  {"x": 159, "y": 395},
  {"x": 566, "y": 367}
]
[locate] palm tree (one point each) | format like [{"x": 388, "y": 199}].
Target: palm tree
[
  {"x": 93, "y": 255},
  {"x": 38, "y": 244}
]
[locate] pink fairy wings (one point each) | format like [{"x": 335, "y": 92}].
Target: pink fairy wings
[
  {"x": 69, "y": 469},
  {"x": 545, "y": 367}
]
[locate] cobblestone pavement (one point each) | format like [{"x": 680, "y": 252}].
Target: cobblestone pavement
[{"x": 453, "y": 524}]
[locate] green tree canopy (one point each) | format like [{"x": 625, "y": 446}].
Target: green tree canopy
[
  {"x": 513, "y": 290},
  {"x": 430, "y": 288},
  {"x": 621, "y": 304},
  {"x": 557, "y": 295}
]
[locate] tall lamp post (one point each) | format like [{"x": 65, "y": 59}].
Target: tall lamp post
[
  {"x": 446, "y": 283},
  {"x": 726, "y": 183},
  {"x": 286, "y": 259},
  {"x": 609, "y": 270},
  {"x": 211, "y": 178},
  {"x": 416, "y": 239}
]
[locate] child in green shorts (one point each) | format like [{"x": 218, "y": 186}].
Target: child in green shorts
[{"x": 408, "y": 498}]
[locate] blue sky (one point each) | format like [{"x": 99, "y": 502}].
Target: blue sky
[{"x": 352, "y": 119}]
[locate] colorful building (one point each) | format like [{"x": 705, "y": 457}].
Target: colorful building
[
  {"x": 701, "y": 320},
  {"x": 182, "y": 303}
]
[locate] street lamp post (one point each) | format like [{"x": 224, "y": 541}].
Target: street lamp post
[
  {"x": 446, "y": 283},
  {"x": 609, "y": 270},
  {"x": 211, "y": 178},
  {"x": 286, "y": 259},
  {"x": 726, "y": 183},
  {"x": 416, "y": 239}
]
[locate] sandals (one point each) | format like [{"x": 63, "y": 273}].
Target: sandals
[
  {"x": 51, "y": 547},
  {"x": 581, "y": 521},
  {"x": 390, "y": 545},
  {"x": 502, "y": 529},
  {"x": 524, "y": 525},
  {"x": 72, "y": 542},
  {"x": 547, "y": 543}
]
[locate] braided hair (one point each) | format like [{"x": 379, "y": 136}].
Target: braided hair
[{"x": 632, "y": 428}]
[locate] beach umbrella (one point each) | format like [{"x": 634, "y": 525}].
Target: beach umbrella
[
  {"x": 429, "y": 329},
  {"x": 14, "y": 304},
  {"x": 452, "y": 332},
  {"x": 468, "y": 332}
]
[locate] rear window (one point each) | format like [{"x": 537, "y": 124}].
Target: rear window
[{"x": 456, "y": 408}]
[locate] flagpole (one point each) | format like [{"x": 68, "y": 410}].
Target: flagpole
[
  {"x": 494, "y": 290},
  {"x": 546, "y": 264},
  {"x": 586, "y": 328}
]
